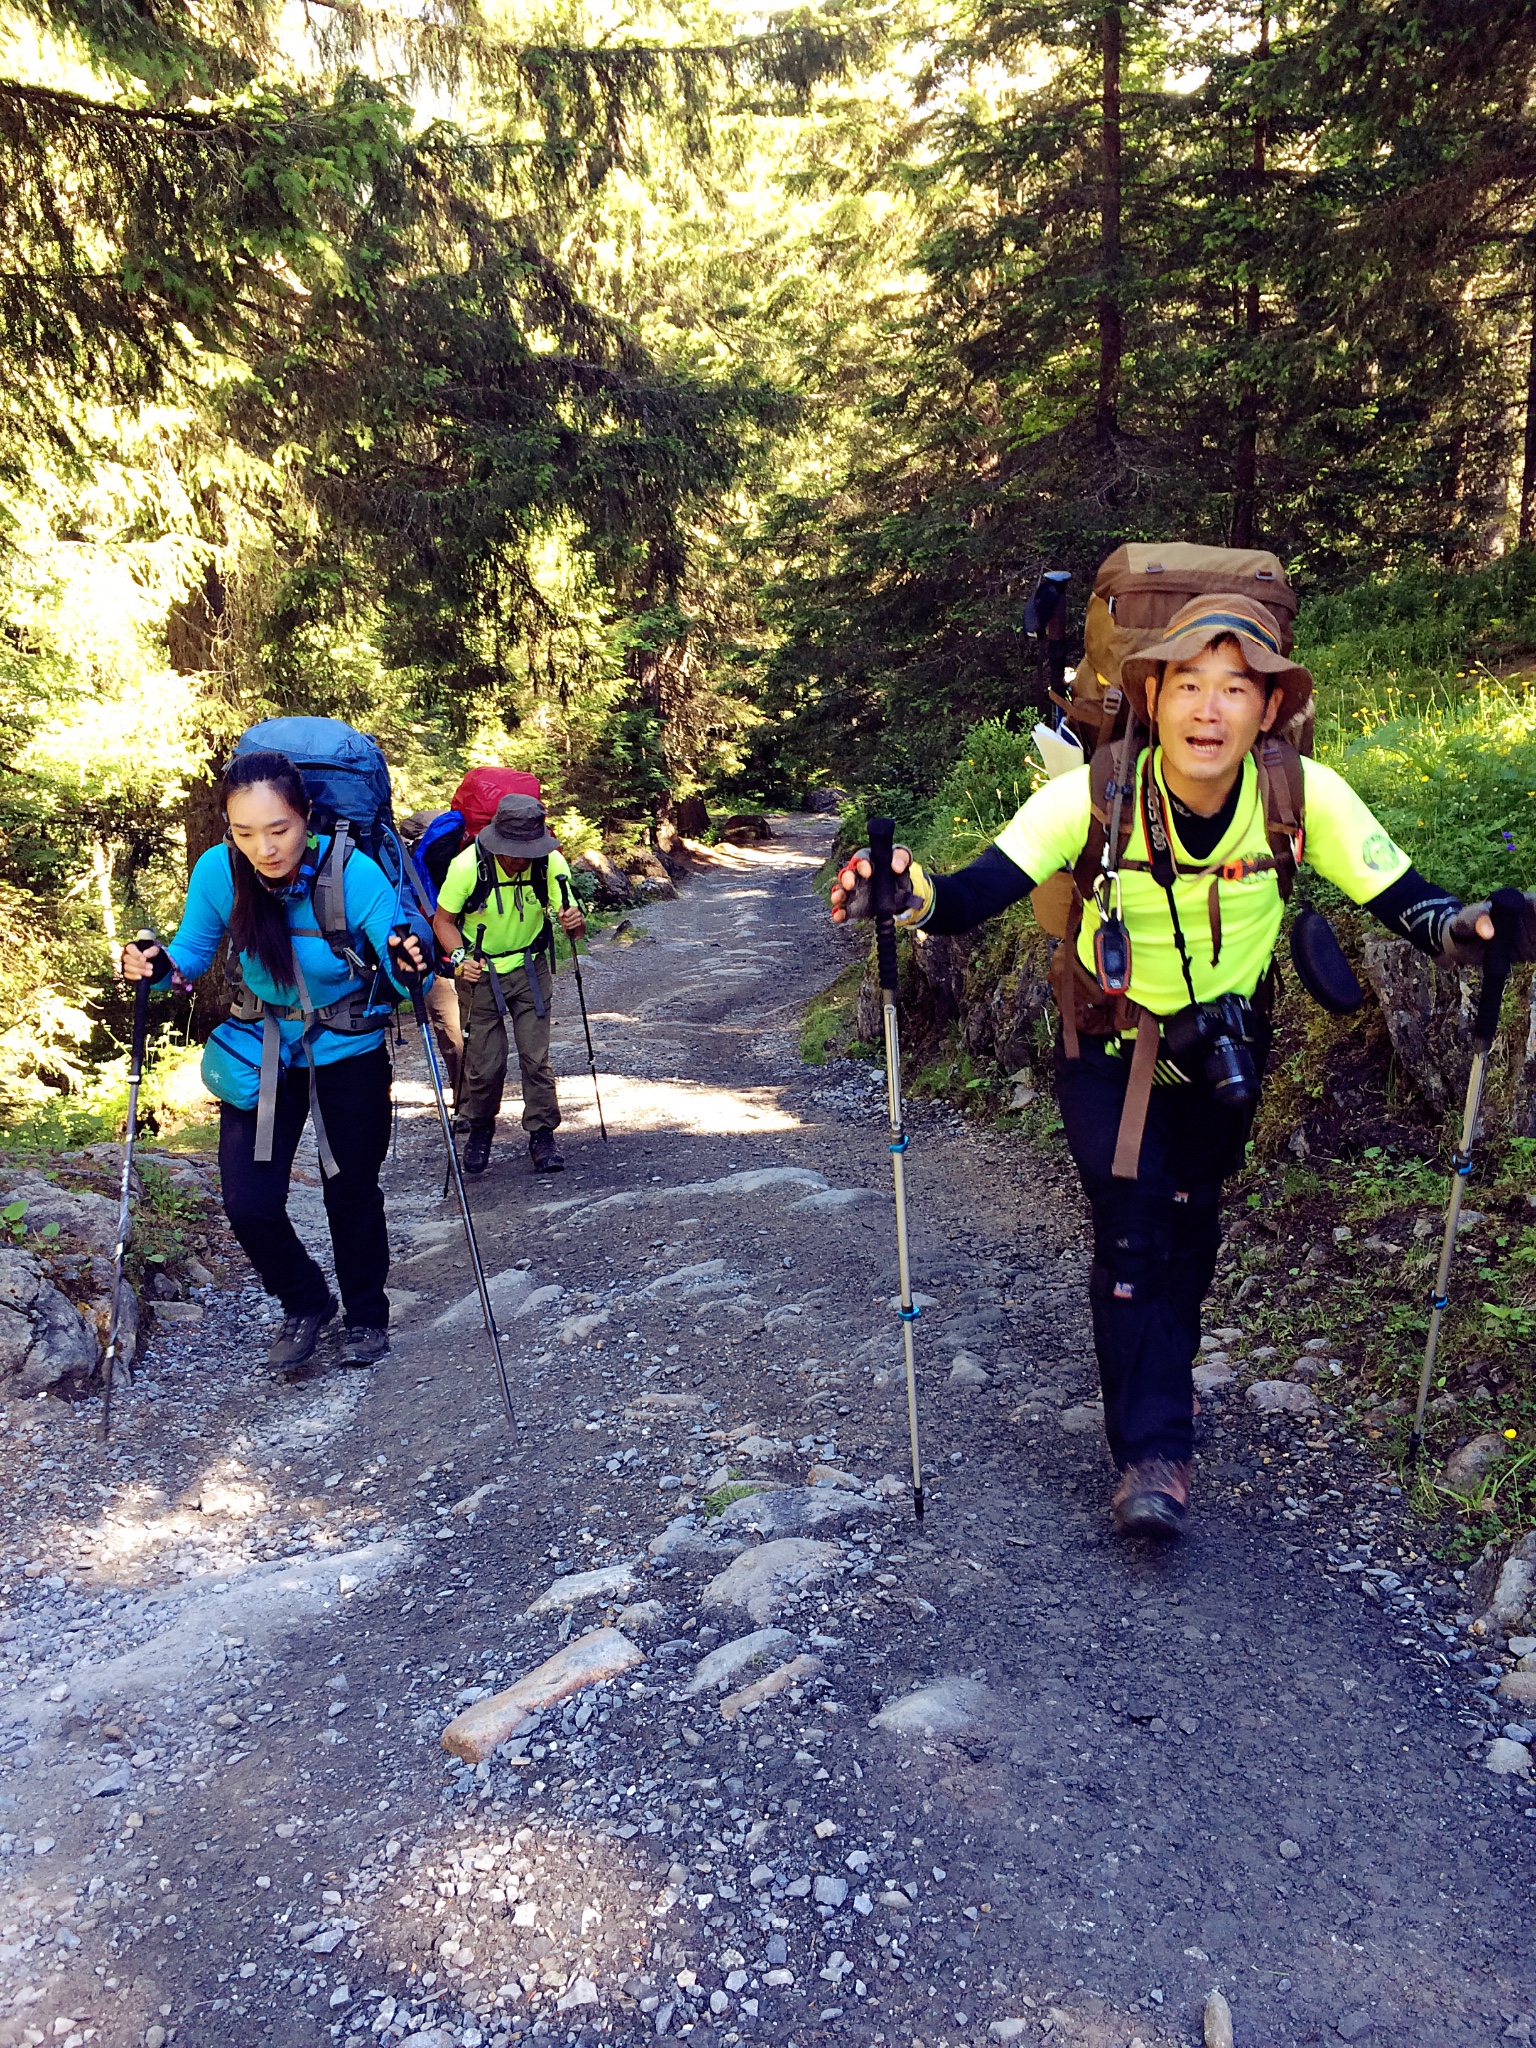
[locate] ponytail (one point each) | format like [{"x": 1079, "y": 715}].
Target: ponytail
[{"x": 258, "y": 918}]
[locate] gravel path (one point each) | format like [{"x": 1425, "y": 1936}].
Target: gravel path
[{"x": 1023, "y": 1783}]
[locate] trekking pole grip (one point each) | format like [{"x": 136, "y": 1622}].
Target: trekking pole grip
[
  {"x": 141, "y": 1005},
  {"x": 410, "y": 975},
  {"x": 1505, "y": 908},
  {"x": 882, "y": 837}
]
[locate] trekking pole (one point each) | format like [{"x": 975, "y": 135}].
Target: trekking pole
[
  {"x": 1504, "y": 908},
  {"x": 882, "y": 833},
  {"x": 137, "y": 1045},
  {"x": 581, "y": 997},
  {"x": 411, "y": 976}
]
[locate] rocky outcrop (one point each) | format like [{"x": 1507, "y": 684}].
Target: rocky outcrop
[
  {"x": 44, "y": 1339},
  {"x": 73, "y": 1212},
  {"x": 614, "y": 890},
  {"x": 1428, "y": 1010},
  {"x": 995, "y": 991}
]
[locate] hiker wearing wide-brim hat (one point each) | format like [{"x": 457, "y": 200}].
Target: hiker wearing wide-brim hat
[
  {"x": 501, "y": 894},
  {"x": 1203, "y": 622},
  {"x": 519, "y": 830},
  {"x": 1163, "y": 866}
]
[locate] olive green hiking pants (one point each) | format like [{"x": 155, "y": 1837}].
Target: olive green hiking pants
[{"x": 483, "y": 1068}]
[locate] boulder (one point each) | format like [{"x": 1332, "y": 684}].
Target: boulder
[
  {"x": 745, "y": 827},
  {"x": 62, "y": 1346},
  {"x": 91, "y": 1218},
  {"x": 648, "y": 875},
  {"x": 1428, "y": 1011},
  {"x": 43, "y": 1337},
  {"x": 614, "y": 891},
  {"x": 1466, "y": 1467}
]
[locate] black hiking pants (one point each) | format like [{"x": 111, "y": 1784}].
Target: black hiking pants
[
  {"x": 354, "y": 1101},
  {"x": 1155, "y": 1241}
]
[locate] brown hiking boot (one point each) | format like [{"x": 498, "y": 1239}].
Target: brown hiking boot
[{"x": 1152, "y": 1499}]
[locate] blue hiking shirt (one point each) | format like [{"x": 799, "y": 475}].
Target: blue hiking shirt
[{"x": 372, "y": 906}]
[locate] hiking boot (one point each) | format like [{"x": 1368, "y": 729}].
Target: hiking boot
[
  {"x": 295, "y": 1341},
  {"x": 541, "y": 1150},
  {"x": 477, "y": 1147},
  {"x": 1152, "y": 1499},
  {"x": 364, "y": 1346}
]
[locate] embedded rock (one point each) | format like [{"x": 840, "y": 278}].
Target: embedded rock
[
  {"x": 1283, "y": 1397},
  {"x": 791, "y": 1511},
  {"x": 731, "y": 1659},
  {"x": 763, "y": 1579},
  {"x": 1466, "y": 1467},
  {"x": 950, "y": 1706},
  {"x": 600, "y": 1654},
  {"x": 612, "y": 1582},
  {"x": 781, "y": 1680}
]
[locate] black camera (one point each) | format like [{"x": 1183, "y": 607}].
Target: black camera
[{"x": 1216, "y": 1039}]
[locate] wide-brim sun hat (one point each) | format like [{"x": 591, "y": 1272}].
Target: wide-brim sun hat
[
  {"x": 1204, "y": 620},
  {"x": 519, "y": 830}
]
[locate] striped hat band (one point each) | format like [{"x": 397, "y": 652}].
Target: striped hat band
[{"x": 1216, "y": 619}]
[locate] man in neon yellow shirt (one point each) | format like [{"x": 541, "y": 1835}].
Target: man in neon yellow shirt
[
  {"x": 504, "y": 890},
  {"x": 1198, "y": 894}
]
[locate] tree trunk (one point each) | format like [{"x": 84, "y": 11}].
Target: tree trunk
[
  {"x": 1111, "y": 326},
  {"x": 1245, "y": 468},
  {"x": 1528, "y": 467}
]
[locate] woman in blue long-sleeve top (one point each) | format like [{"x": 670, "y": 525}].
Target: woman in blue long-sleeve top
[{"x": 305, "y": 1037}]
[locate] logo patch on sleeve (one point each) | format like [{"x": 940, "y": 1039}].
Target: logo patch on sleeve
[{"x": 1125, "y": 1290}]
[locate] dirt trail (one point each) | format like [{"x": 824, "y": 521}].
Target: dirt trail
[{"x": 1104, "y": 1781}]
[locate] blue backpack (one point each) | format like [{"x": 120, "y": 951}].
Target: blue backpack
[
  {"x": 348, "y": 782},
  {"x": 441, "y": 839}
]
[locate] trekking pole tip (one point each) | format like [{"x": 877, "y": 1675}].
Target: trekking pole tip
[{"x": 918, "y": 1502}]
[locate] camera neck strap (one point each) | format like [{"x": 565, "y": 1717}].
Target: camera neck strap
[{"x": 1165, "y": 870}]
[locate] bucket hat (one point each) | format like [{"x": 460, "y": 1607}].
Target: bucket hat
[
  {"x": 518, "y": 831},
  {"x": 1195, "y": 625}
]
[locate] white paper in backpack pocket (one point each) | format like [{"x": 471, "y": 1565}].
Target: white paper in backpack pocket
[{"x": 1058, "y": 750}]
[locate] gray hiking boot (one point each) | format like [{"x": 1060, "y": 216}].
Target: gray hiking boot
[
  {"x": 297, "y": 1336},
  {"x": 477, "y": 1147},
  {"x": 364, "y": 1346}
]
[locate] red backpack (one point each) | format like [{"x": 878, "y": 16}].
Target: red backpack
[{"x": 482, "y": 790}]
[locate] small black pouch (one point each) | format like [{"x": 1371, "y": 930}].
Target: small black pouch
[{"x": 1320, "y": 965}]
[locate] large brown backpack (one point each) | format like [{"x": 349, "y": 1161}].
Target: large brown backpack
[{"x": 1135, "y": 595}]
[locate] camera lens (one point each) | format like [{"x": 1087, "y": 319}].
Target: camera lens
[{"x": 1233, "y": 1077}]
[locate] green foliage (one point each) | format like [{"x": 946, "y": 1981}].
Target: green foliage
[
  {"x": 827, "y": 1026},
  {"x": 717, "y": 1502},
  {"x": 995, "y": 772}
]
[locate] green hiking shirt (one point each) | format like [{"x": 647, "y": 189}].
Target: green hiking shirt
[
  {"x": 1343, "y": 842},
  {"x": 512, "y": 914}
]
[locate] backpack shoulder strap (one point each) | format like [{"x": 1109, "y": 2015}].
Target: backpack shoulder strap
[
  {"x": 1108, "y": 763},
  {"x": 540, "y": 879},
  {"x": 330, "y": 891},
  {"x": 1282, "y": 793}
]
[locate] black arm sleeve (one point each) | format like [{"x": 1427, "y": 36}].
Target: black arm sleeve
[
  {"x": 1415, "y": 910},
  {"x": 972, "y": 895}
]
